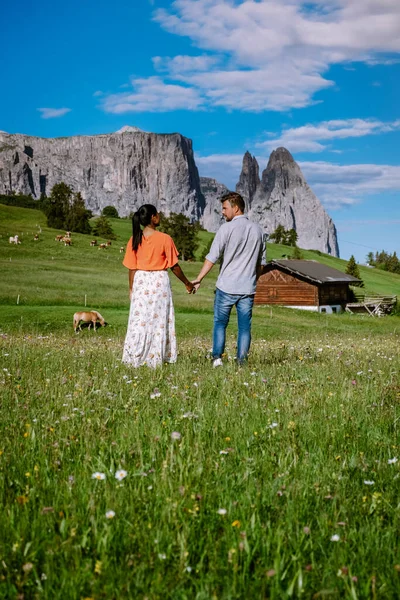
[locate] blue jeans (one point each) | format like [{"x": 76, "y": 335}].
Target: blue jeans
[{"x": 222, "y": 309}]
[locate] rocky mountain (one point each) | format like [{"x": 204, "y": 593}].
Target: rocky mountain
[
  {"x": 249, "y": 179},
  {"x": 282, "y": 196},
  {"x": 132, "y": 167},
  {"x": 212, "y": 191},
  {"x": 123, "y": 169}
]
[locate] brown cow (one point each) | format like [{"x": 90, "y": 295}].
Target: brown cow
[
  {"x": 122, "y": 249},
  {"x": 67, "y": 241},
  {"x": 90, "y": 317},
  {"x": 103, "y": 247},
  {"x": 93, "y": 243},
  {"x": 108, "y": 243},
  {"x": 36, "y": 238}
]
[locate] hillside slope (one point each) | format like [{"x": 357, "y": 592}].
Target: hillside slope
[{"x": 46, "y": 272}]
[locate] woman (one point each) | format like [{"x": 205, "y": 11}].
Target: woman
[{"x": 150, "y": 339}]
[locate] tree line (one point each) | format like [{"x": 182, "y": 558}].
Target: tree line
[{"x": 385, "y": 261}]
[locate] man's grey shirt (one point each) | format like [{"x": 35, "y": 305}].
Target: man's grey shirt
[{"x": 241, "y": 244}]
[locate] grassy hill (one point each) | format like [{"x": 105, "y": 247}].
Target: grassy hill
[
  {"x": 47, "y": 272},
  {"x": 44, "y": 282}
]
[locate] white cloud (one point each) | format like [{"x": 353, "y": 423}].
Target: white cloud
[
  {"x": 258, "y": 55},
  {"x": 339, "y": 185},
  {"x": 335, "y": 185},
  {"x": 275, "y": 53},
  {"x": 308, "y": 137},
  {"x": 225, "y": 168},
  {"x": 153, "y": 95},
  {"x": 181, "y": 64},
  {"x": 53, "y": 113}
]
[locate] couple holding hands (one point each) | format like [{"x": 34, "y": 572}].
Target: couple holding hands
[{"x": 150, "y": 338}]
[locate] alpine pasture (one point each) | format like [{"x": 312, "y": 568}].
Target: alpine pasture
[{"x": 276, "y": 480}]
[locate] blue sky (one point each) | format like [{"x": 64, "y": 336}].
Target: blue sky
[{"x": 320, "y": 78}]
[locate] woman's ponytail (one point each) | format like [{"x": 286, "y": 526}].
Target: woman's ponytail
[
  {"x": 141, "y": 218},
  {"x": 137, "y": 233}
]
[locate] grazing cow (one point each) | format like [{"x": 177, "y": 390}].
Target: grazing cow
[
  {"x": 59, "y": 238},
  {"x": 88, "y": 317},
  {"x": 14, "y": 240},
  {"x": 67, "y": 241},
  {"x": 109, "y": 243},
  {"x": 103, "y": 247},
  {"x": 36, "y": 238},
  {"x": 122, "y": 249},
  {"x": 93, "y": 243}
]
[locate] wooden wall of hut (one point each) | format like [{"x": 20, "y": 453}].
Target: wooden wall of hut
[
  {"x": 330, "y": 293},
  {"x": 276, "y": 287}
]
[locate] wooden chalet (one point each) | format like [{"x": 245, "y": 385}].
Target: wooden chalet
[{"x": 305, "y": 284}]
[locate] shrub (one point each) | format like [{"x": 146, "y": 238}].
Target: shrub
[{"x": 110, "y": 212}]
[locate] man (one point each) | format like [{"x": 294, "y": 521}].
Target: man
[{"x": 241, "y": 245}]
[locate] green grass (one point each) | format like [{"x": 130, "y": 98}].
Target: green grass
[{"x": 284, "y": 445}]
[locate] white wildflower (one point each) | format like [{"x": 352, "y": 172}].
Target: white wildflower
[{"x": 121, "y": 474}]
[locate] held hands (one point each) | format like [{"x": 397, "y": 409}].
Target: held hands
[
  {"x": 196, "y": 283},
  {"x": 193, "y": 286}
]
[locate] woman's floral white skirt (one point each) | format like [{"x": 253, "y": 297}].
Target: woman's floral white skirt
[{"x": 150, "y": 339}]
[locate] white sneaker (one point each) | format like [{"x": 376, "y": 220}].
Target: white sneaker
[{"x": 217, "y": 362}]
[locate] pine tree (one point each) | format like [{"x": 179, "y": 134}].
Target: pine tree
[
  {"x": 353, "y": 270},
  {"x": 102, "y": 228},
  {"x": 58, "y": 205},
  {"x": 296, "y": 254},
  {"x": 183, "y": 232},
  {"x": 78, "y": 216},
  {"x": 291, "y": 237},
  {"x": 278, "y": 236},
  {"x": 110, "y": 212}
]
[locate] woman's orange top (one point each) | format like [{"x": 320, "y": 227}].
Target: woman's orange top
[{"x": 157, "y": 252}]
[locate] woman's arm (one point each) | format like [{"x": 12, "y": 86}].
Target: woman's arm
[
  {"x": 177, "y": 271},
  {"x": 131, "y": 278}
]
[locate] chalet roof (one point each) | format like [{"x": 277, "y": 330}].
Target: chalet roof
[{"x": 315, "y": 271}]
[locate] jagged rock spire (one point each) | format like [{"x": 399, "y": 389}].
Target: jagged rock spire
[
  {"x": 249, "y": 179},
  {"x": 283, "y": 197}
]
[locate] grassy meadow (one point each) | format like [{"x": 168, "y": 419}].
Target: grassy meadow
[{"x": 276, "y": 480}]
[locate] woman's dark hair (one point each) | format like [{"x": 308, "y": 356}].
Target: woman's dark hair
[{"x": 141, "y": 217}]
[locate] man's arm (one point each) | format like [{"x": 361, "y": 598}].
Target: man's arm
[
  {"x": 262, "y": 258},
  {"x": 216, "y": 250},
  {"x": 206, "y": 268}
]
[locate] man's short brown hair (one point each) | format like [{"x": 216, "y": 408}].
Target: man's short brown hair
[{"x": 234, "y": 199}]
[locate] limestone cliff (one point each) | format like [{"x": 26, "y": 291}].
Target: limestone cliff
[
  {"x": 282, "y": 196},
  {"x": 123, "y": 169},
  {"x": 212, "y": 191}
]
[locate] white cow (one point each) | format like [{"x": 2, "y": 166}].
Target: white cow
[{"x": 14, "y": 240}]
